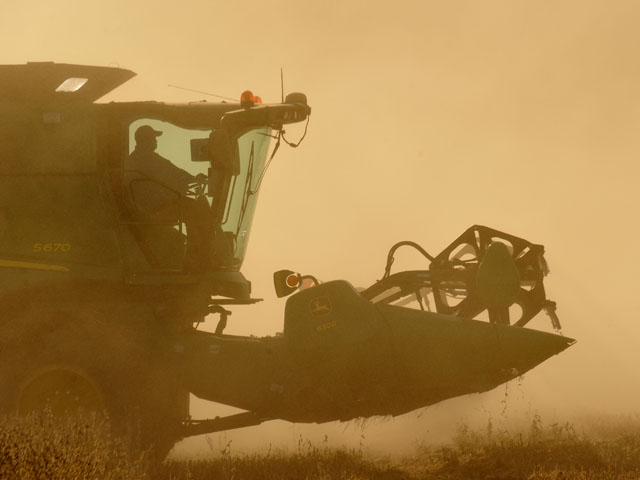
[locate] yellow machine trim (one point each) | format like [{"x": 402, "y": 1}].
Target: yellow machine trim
[{"x": 32, "y": 265}]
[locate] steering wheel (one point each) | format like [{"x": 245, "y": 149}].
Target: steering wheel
[{"x": 199, "y": 187}]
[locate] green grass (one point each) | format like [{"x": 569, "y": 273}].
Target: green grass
[
  {"x": 39, "y": 447},
  {"x": 44, "y": 447},
  {"x": 315, "y": 464},
  {"x": 556, "y": 451}
]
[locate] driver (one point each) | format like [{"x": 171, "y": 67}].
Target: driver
[
  {"x": 158, "y": 188},
  {"x": 161, "y": 196}
]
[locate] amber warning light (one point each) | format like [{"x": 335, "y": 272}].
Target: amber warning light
[
  {"x": 293, "y": 280},
  {"x": 286, "y": 282},
  {"x": 247, "y": 99}
]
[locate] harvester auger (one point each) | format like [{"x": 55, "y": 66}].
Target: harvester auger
[{"x": 107, "y": 266}]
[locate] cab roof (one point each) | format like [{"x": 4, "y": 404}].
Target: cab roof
[{"x": 49, "y": 82}]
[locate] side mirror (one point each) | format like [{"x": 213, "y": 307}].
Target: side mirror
[{"x": 286, "y": 282}]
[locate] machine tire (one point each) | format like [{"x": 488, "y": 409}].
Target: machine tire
[{"x": 104, "y": 348}]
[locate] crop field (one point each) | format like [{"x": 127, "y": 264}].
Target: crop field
[{"x": 40, "y": 447}]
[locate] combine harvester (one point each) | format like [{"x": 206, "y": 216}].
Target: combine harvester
[{"x": 111, "y": 255}]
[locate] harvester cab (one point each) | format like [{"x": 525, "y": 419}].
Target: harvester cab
[{"x": 189, "y": 197}]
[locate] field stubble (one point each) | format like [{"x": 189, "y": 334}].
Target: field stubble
[{"x": 40, "y": 446}]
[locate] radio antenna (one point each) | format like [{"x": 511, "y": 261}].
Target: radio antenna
[
  {"x": 204, "y": 93},
  {"x": 282, "y": 84}
]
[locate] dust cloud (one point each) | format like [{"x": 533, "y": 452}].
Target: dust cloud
[{"x": 427, "y": 117}]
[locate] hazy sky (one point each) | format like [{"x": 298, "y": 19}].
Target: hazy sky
[{"x": 427, "y": 117}]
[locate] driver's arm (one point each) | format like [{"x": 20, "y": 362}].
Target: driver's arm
[{"x": 174, "y": 176}]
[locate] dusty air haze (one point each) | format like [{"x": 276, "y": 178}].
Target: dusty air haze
[{"x": 427, "y": 117}]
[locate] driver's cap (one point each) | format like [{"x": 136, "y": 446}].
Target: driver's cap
[{"x": 145, "y": 131}]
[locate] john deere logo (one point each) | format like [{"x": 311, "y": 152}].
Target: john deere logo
[{"x": 320, "y": 306}]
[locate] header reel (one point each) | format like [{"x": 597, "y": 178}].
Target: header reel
[{"x": 483, "y": 269}]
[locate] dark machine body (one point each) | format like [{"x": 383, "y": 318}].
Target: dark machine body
[{"x": 100, "y": 300}]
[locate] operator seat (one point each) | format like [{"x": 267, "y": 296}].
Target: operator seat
[{"x": 158, "y": 232}]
